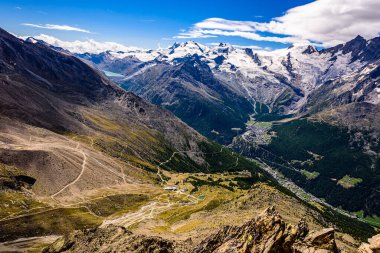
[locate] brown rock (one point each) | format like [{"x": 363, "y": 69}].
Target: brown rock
[
  {"x": 269, "y": 233},
  {"x": 323, "y": 238},
  {"x": 373, "y": 245}
]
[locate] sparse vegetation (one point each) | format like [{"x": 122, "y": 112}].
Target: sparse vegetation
[{"x": 263, "y": 124}]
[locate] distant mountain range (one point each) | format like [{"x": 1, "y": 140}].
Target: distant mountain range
[
  {"x": 215, "y": 89},
  {"x": 223, "y": 92}
]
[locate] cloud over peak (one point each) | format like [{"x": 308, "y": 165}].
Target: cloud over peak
[
  {"x": 57, "y": 27},
  {"x": 85, "y": 46},
  {"x": 322, "y": 22}
]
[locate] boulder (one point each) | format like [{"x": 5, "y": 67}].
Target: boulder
[{"x": 373, "y": 245}]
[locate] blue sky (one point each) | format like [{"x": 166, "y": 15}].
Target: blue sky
[{"x": 148, "y": 24}]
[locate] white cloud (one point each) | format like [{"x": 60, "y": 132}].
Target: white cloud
[
  {"x": 214, "y": 44},
  {"x": 215, "y": 27},
  {"x": 194, "y": 34},
  {"x": 323, "y": 21},
  {"x": 90, "y": 46},
  {"x": 57, "y": 27},
  {"x": 223, "y": 24}
]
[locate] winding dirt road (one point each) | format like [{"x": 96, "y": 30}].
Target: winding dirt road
[{"x": 77, "y": 178}]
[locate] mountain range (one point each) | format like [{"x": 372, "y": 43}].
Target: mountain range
[
  {"x": 227, "y": 84},
  {"x": 120, "y": 141}
]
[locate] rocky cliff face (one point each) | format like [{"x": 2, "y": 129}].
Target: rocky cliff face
[{"x": 266, "y": 233}]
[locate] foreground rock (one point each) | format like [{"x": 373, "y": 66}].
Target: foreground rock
[
  {"x": 373, "y": 245},
  {"x": 267, "y": 233}
]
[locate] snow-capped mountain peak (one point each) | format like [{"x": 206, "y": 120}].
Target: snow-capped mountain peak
[{"x": 263, "y": 76}]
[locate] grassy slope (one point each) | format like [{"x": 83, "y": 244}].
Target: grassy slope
[
  {"x": 222, "y": 160},
  {"x": 128, "y": 144},
  {"x": 48, "y": 220}
]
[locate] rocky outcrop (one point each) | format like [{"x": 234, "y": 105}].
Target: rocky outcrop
[
  {"x": 109, "y": 239},
  {"x": 373, "y": 245},
  {"x": 269, "y": 233}
]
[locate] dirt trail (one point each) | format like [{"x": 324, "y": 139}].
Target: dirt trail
[
  {"x": 68, "y": 144},
  {"x": 77, "y": 178},
  {"x": 154, "y": 208},
  {"x": 148, "y": 211}
]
